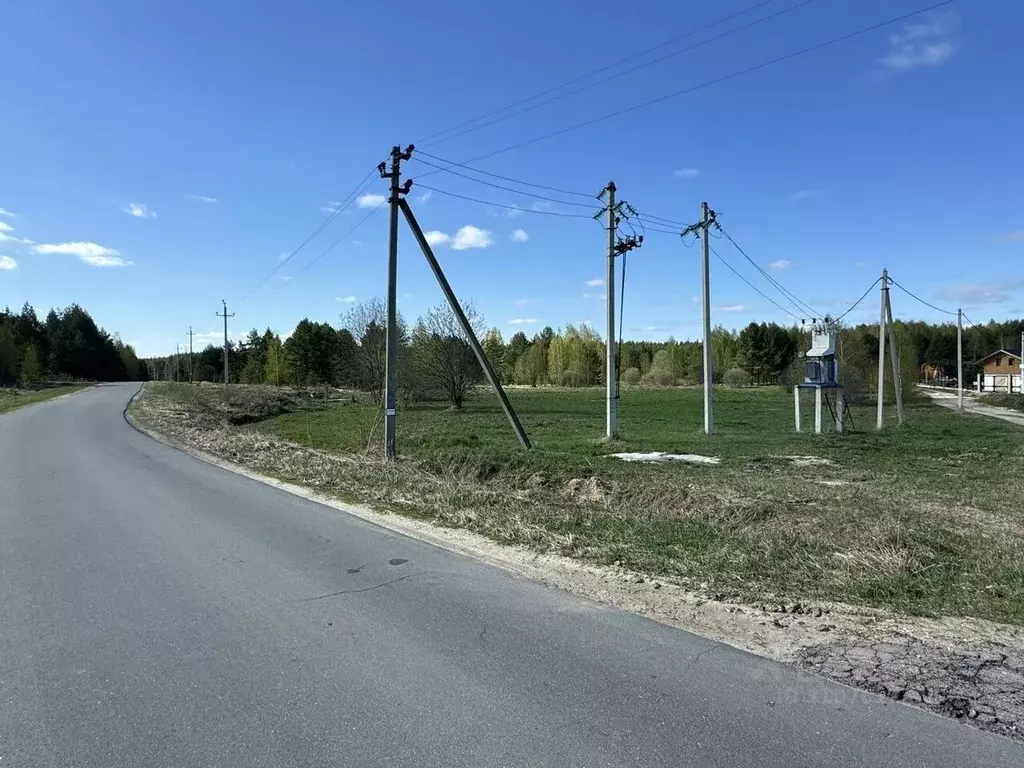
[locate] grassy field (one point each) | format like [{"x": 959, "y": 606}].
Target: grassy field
[
  {"x": 925, "y": 518},
  {"x": 17, "y": 398}
]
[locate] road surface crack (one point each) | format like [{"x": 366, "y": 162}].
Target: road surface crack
[{"x": 355, "y": 591}]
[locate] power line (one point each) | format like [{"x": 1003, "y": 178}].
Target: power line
[
  {"x": 605, "y": 68},
  {"x": 359, "y": 189},
  {"x": 498, "y": 175},
  {"x": 507, "y": 207},
  {"x": 333, "y": 245},
  {"x": 789, "y": 295},
  {"x": 507, "y": 189},
  {"x": 858, "y": 301},
  {"x": 623, "y": 73},
  {"x": 754, "y": 287},
  {"x": 715, "y": 81},
  {"x": 913, "y": 296}
]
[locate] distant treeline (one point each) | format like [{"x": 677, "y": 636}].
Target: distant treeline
[
  {"x": 352, "y": 355},
  {"x": 67, "y": 345}
]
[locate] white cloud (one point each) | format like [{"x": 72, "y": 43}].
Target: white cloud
[
  {"x": 523, "y": 321},
  {"x": 93, "y": 254},
  {"x": 370, "y": 200},
  {"x": 5, "y": 212},
  {"x": 543, "y": 206},
  {"x": 331, "y": 206},
  {"x": 286, "y": 278},
  {"x": 806, "y": 194},
  {"x": 139, "y": 211},
  {"x": 1014, "y": 237},
  {"x": 201, "y": 198},
  {"x": 471, "y": 237},
  {"x": 597, "y": 281},
  {"x": 686, "y": 173},
  {"x": 435, "y": 237},
  {"x": 731, "y": 308},
  {"x": 519, "y": 236},
  {"x": 860, "y": 264},
  {"x": 283, "y": 255},
  {"x": 781, "y": 264},
  {"x": 5, "y": 227},
  {"x": 922, "y": 44},
  {"x": 425, "y": 197},
  {"x": 7, "y": 263},
  {"x": 980, "y": 293},
  {"x": 595, "y": 295},
  {"x": 346, "y": 299},
  {"x": 521, "y": 302},
  {"x": 357, "y": 242}
]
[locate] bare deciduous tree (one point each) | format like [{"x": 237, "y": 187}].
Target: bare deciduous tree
[{"x": 442, "y": 357}]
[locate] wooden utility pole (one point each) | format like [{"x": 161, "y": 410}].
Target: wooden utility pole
[{"x": 225, "y": 315}]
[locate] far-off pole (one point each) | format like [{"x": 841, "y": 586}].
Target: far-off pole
[
  {"x": 225, "y": 315},
  {"x": 960, "y": 360},
  {"x": 190, "y": 335}
]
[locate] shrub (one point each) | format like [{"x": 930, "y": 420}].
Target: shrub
[
  {"x": 571, "y": 377},
  {"x": 658, "y": 377},
  {"x": 631, "y": 377},
  {"x": 736, "y": 377}
]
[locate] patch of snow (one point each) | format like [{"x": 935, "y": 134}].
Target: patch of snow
[{"x": 660, "y": 456}]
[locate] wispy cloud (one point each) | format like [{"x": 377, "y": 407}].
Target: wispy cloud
[
  {"x": 5, "y": 227},
  {"x": 93, "y": 254},
  {"x": 425, "y": 197},
  {"x": 346, "y": 299},
  {"x": 283, "y": 255},
  {"x": 471, "y": 237},
  {"x": 7, "y": 263},
  {"x": 806, "y": 194},
  {"x": 781, "y": 264},
  {"x": 523, "y": 321},
  {"x": 860, "y": 264},
  {"x": 201, "y": 198},
  {"x": 436, "y": 237},
  {"x": 687, "y": 173},
  {"x": 544, "y": 206},
  {"x": 595, "y": 295},
  {"x": 1014, "y": 237},
  {"x": 4, "y": 237},
  {"x": 922, "y": 44},
  {"x": 980, "y": 293},
  {"x": 730, "y": 308},
  {"x": 521, "y": 302},
  {"x": 5, "y": 212},
  {"x": 595, "y": 283},
  {"x": 331, "y": 206},
  {"x": 139, "y": 211},
  {"x": 519, "y": 236},
  {"x": 370, "y": 200}
]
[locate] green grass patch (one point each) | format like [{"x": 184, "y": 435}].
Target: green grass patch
[
  {"x": 11, "y": 399},
  {"x": 1016, "y": 402}
]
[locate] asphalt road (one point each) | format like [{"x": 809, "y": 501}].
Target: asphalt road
[{"x": 157, "y": 611}]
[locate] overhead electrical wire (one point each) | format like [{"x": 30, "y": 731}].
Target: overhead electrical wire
[
  {"x": 623, "y": 73},
  {"x": 360, "y": 188},
  {"x": 507, "y": 207},
  {"x": 714, "y": 81},
  {"x": 604, "y": 68},
  {"x": 858, "y": 301},
  {"x": 754, "y": 287},
  {"x": 335, "y": 244},
  {"x": 800, "y": 306},
  {"x": 507, "y": 189},
  {"x": 914, "y": 296},
  {"x": 498, "y": 175}
]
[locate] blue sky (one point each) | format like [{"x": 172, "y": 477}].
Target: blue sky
[{"x": 158, "y": 157}]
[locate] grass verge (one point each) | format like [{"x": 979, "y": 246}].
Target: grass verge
[
  {"x": 920, "y": 518},
  {"x": 1016, "y": 402},
  {"x": 11, "y": 399}
]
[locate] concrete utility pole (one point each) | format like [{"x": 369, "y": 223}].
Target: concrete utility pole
[
  {"x": 1021, "y": 390},
  {"x": 225, "y": 315},
  {"x": 881, "y": 349},
  {"x": 190, "y": 335},
  {"x": 960, "y": 360},
  {"x": 611, "y": 414},
  {"x": 705, "y": 273},
  {"x": 391, "y": 353},
  {"x": 894, "y": 354},
  {"x": 177, "y": 361}
]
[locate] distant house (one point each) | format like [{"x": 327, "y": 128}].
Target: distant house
[{"x": 1001, "y": 371}]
